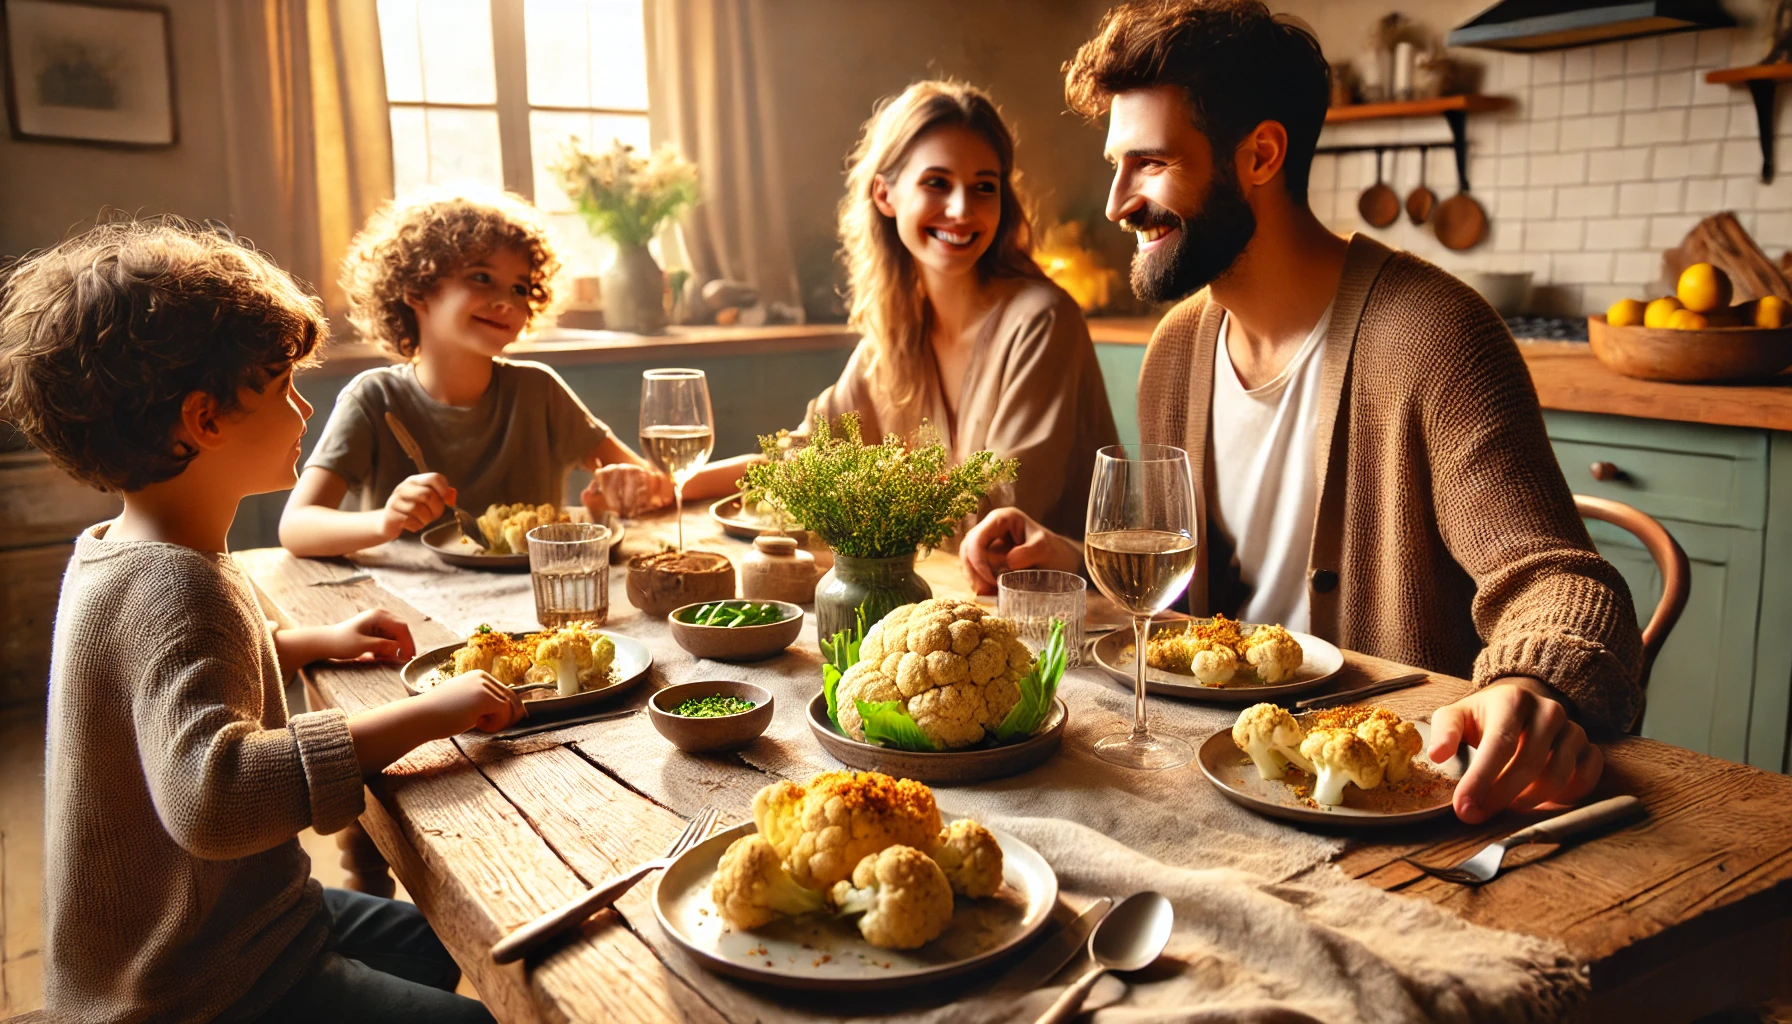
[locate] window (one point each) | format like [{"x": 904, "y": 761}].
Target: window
[{"x": 487, "y": 91}]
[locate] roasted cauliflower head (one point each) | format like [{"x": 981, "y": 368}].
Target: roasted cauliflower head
[
  {"x": 902, "y": 894},
  {"x": 822, "y": 830},
  {"x": 955, "y": 668}
]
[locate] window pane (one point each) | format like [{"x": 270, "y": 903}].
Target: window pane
[
  {"x": 463, "y": 147},
  {"x": 548, "y": 132},
  {"x": 456, "y": 41},
  {"x": 618, "y": 55},
  {"x": 398, "y": 42},
  {"x": 584, "y": 254},
  {"x": 410, "y": 150},
  {"x": 556, "y": 36}
]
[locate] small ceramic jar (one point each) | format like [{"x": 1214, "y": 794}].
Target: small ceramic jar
[{"x": 777, "y": 570}]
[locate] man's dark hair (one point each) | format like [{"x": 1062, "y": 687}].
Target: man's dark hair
[
  {"x": 1239, "y": 64},
  {"x": 104, "y": 336}
]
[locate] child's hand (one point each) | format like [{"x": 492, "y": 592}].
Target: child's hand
[
  {"x": 474, "y": 700},
  {"x": 627, "y": 489},
  {"x": 373, "y": 635},
  {"x": 415, "y": 503}
]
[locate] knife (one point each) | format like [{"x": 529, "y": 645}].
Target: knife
[
  {"x": 468, "y": 525},
  {"x": 1385, "y": 686},
  {"x": 1058, "y": 949}
]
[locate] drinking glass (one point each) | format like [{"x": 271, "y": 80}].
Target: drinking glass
[
  {"x": 677, "y": 428},
  {"x": 569, "y": 567},
  {"x": 1140, "y": 547},
  {"x": 1035, "y": 598}
]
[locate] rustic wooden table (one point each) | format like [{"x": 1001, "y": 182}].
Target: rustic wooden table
[{"x": 1681, "y": 915}]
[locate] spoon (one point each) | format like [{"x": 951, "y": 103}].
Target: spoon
[{"x": 1128, "y": 939}]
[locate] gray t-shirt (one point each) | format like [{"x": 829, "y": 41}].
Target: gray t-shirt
[{"x": 515, "y": 445}]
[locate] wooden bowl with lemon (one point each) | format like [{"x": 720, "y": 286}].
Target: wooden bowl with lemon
[{"x": 1695, "y": 334}]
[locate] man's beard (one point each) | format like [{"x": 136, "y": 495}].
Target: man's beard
[{"x": 1203, "y": 250}]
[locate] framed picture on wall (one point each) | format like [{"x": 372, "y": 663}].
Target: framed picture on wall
[{"x": 95, "y": 73}]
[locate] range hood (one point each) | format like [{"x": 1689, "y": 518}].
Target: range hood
[{"x": 1528, "y": 26}]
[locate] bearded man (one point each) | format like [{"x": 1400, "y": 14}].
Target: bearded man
[{"x": 1369, "y": 455}]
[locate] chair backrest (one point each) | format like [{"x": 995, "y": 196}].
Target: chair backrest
[{"x": 1670, "y": 559}]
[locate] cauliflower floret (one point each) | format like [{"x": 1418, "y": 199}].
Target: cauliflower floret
[
  {"x": 1211, "y": 663},
  {"x": 1273, "y": 739},
  {"x": 1273, "y": 652},
  {"x": 903, "y": 895},
  {"x": 1394, "y": 744},
  {"x": 568, "y": 653},
  {"x": 490, "y": 651},
  {"x": 825, "y": 828},
  {"x": 603, "y": 655},
  {"x": 971, "y": 858},
  {"x": 517, "y": 527},
  {"x": 751, "y": 887},
  {"x": 492, "y": 525},
  {"x": 956, "y": 669},
  {"x": 1338, "y": 757}
]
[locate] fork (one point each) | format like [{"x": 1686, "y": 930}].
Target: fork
[
  {"x": 469, "y": 527},
  {"x": 1483, "y": 866},
  {"x": 532, "y": 936}
]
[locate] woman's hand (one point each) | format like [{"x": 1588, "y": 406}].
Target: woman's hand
[
  {"x": 373, "y": 635},
  {"x": 1009, "y": 539},
  {"x": 473, "y": 700},
  {"x": 415, "y": 503},
  {"x": 1529, "y": 753},
  {"x": 626, "y": 489}
]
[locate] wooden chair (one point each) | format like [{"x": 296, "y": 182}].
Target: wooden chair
[{"x": 1670, "y": 560}]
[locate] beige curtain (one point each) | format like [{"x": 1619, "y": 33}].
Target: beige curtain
[
  {"x": 307, "y": 134},
  {"x": 709, "y": 93}
]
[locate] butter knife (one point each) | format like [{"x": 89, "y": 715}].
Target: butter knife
[
  {"x": 1385, "y": 686},
  {"x": 468, "y": 525},
  {"x": 1056, "y": 950}
]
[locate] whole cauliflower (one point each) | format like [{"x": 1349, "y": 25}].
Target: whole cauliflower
[
  {"x": 1273, "y": 652},
  {"x": 1340, "y": 756},
  {"x": 1273, "y": 739},
  {"x": 903, "y": 895},
  {"x": 822, "y": 830},
  {"x": 956, "y": 670},
  {"x": 751, "y": 887},
  {"x": 1395, "y": 744},
  {"x": 970, "y": 857}
]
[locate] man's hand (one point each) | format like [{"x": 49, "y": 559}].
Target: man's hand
[
  {"x": 373, "y": 635},
  {"x": 1529, "y": 753},
  {"x": 1009, "y": 539},
  {"x": 626, "y": 489},
  {"x": 415, "y": 503},
  {"x": 473, "y": 700}
]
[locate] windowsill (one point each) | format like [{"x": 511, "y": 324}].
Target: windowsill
[{"x": 562, "y": 346}]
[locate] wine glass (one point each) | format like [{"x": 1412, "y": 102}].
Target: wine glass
[
  {"x": 677, "y": 428},
  {"x": 1140, "y": 546}
]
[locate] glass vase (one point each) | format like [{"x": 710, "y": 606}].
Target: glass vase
[
  {"x": 879, "y": 585},
  {"x": 634, "y": 292}
]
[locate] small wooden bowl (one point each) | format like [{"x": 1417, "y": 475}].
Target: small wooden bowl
[
  {"x": 702, "y": 735},
  {"x": 1713, "y": 354},
  {"x": 660, "y": 582},
  {"x": 738, "y": 643}
]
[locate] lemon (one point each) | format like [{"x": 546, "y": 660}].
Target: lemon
[
  {"x": 1656, "y": 313},
  {"x": 1687, "y": 320},
  {"x": 1625, "y": 313},
  {"x": 1771, "y": 311},
  {"x": 1703, "y": 288}
]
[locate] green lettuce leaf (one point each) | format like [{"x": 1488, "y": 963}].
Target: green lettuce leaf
[
  {"x": 887, "y": 724},
  {"x": 840, "y": 654},
  {"x": 1037, "y": 689}
]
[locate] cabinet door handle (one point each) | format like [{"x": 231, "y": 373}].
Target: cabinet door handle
[{"x": 1605, "y": 471}]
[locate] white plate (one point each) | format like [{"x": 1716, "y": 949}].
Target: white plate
[
  {"x": 1231, "y": 769},
  {"x": 1321, "y": 661},
  {"x": 631, "y": 665},
  {"x": 821, "y": 952}
]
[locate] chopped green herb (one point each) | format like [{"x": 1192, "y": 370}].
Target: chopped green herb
[{"x": 716, "y": 706}]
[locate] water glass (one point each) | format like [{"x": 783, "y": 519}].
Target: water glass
[
  {"x": 569, "y": 566},
  {"x": 1034, "y": 598}
]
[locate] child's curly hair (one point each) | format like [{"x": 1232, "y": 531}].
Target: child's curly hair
[
  {"x": 411, "y": 244},
  {"x": 104, "y": 336}
]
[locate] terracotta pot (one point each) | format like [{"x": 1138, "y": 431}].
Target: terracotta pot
[
  {"x": 634, "y": 292},
  {"x": 660, "y": 583}
]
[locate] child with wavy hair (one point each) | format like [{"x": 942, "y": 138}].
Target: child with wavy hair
[{"x": 443, "y": 282}]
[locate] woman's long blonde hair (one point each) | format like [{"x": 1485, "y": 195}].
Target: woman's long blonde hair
[{"x": 889, "y": 304}]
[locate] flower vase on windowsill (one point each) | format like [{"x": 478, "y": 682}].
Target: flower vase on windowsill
[{"x": 627, "y": 199}]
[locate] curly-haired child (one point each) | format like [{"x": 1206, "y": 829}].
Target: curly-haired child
[
  {"x": 155, "y": 360},
  {"x": 443, "y": 282}
]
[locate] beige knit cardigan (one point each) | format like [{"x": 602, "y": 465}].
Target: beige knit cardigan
[{"x": 1445, "y": 535}]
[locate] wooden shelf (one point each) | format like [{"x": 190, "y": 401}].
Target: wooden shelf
[
  {"x": 1763, "y": 81},
  {"x": 1750, "y": 73},
  {"x": 1416, "y": 108}
]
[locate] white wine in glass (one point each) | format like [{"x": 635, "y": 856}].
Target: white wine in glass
[
  {"x": 677, "y": 428},
  {"x": 1140, "y": 547}
]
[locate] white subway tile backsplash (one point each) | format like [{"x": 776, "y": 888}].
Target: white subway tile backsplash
[
  {"x": 1560, "y": 169},
  {"x": 1667, "y": 232},
  {"x": 1546, "y": 68},
  {"x": 1739, "y": 193},
  {"x": 1581, "y": 267},
  {"x": 1642, "y": 56},
  {"x": 1743, "y": 122},
  {"x": 1639, "y": 92},
  {"x": 1608, "y": 96},
  {"x": 1691, "y": 160},
  {"x": 1636, "y": 198},
  {"x": 1587, "y": 200},
  {"x": 1563, "y": 234},
  {"x": 1674, "y": 89},
  {"x": 1707, "y": 94},
  {"x": 1608, "y": 165},
  {"x": 1513, "y": 170},
  {"x": 1679, "y": 51},
  {"x": 1539, "y": 203},
  {"x": 1608, "y": 60},
  {"x": 1773, "y": 231},
  {"x": 1714, "y": 48},
  {"x": 1639, "y": 269},
  {"x": 1707, "y": 124},
  {"x": 1642, "y": 128},
  {"x": 1740, "y": 156},
  {"x": 1543, "y": 136},
  {"x": 1509, "y": 237},
  {"x": 1618, "y": 233},
  {"x": 1546, "y": 101},
  {"x": 1604, "y": 132},
  {"x": 1704, "y": 196},
  {"x": 1577, "y": 99},
  {"x": 1577, "y": 64}
]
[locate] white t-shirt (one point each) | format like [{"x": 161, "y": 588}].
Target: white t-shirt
[{"x": 1265, "y": 494}]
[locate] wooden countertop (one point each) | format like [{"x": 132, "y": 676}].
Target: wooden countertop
[
  {"x": 1569, "y": 379},
  {"x": 561, "y": 346}
]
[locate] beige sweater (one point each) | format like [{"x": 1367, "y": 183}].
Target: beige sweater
[
  {"x": 1446, "y": 536},
  {"x": 174, "y": 885}
]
